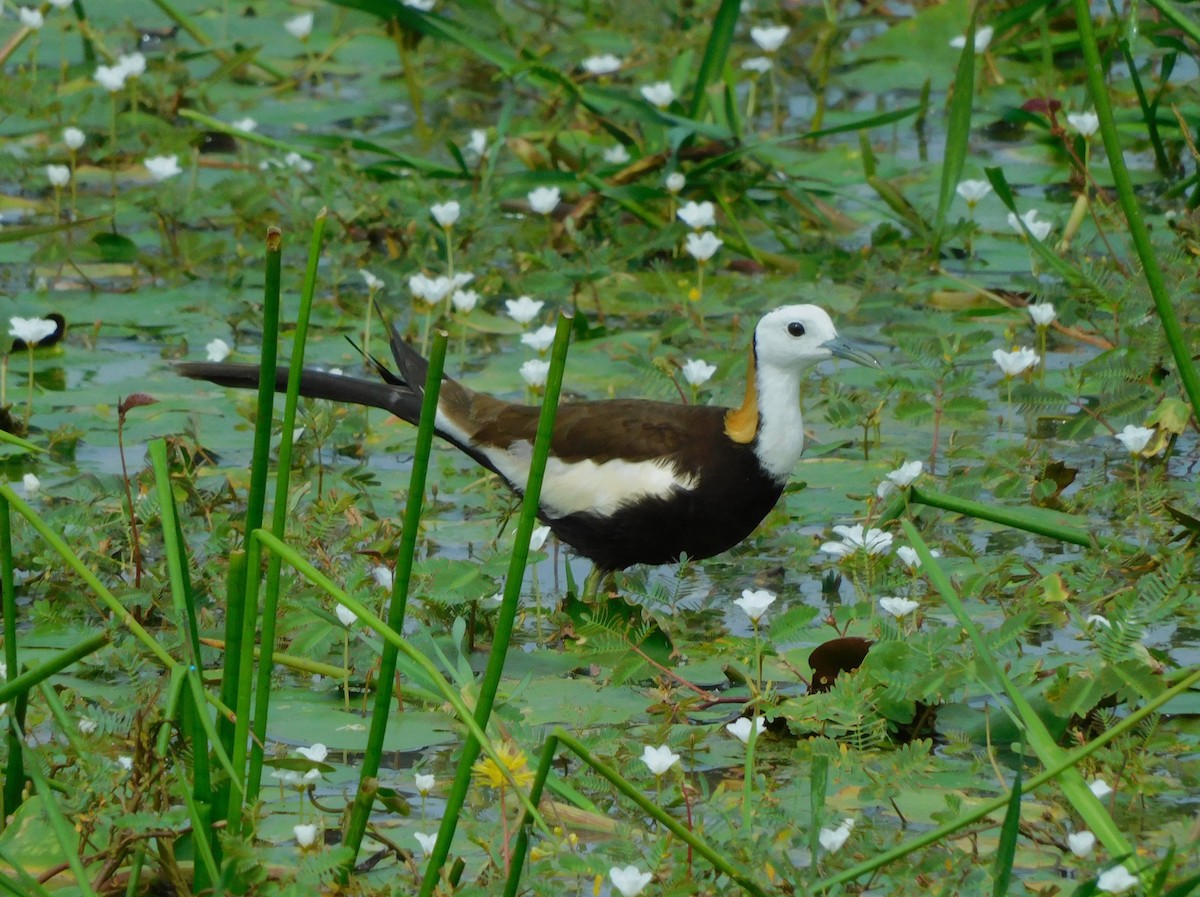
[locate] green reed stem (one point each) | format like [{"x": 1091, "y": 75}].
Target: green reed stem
[
  {"x": 490, "y": 683},
  {"x": 1181, "y": 349},
  {"x": 1074, "y": 788},
  {"x": 283, "y": 470},
  {"x": 237, "y": 676},
  {"x": 47, "y": 668},
  {"x": 196, "y": 730},
  {"x": 1032, "y": 520},
  {"x": 361, "y": 810},
  {"x": 14, "y": 774}
]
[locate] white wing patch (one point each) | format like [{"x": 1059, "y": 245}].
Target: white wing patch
[{"x": 578, "y": 486}]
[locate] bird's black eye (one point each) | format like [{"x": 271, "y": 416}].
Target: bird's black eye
[{"x": 796, "y": 328}]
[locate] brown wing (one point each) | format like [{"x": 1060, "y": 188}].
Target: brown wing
[{"x": 631, "y": 429}]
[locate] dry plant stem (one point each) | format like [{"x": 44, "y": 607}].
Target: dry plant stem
[
  {"x": 135, "y": 542},
  {"x": 1083, "y": 336}
]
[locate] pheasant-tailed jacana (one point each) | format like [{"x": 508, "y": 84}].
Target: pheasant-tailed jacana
[{"x": 628, "y": 481}]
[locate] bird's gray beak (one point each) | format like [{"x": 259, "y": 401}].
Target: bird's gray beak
[{"x": 840, "y": 348}]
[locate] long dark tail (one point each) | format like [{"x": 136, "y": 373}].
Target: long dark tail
[{"x": 400, "y": 394}]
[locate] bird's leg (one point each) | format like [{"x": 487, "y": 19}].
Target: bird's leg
[{"x": 591, "y": 585}]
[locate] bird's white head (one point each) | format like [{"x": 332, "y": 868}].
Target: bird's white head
[{"x": 796, "y": 336}]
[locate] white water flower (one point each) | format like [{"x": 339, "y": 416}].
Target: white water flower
[
  {"x": 771, "y": 38},
  {"x": 73, "y": 138},
  {"x": 58, "y": 175},
  {"x": 898, "y": 607},
  {"x": 534, "y": 372},
  {"x": 973, "y": 191},
  {"x": 133, "y": 64},
  {"x": 345, "y": 616},
  {"x": 676, "y": 181},
  {"x": 703, "y": 246},
  {"x": 31, "y": 484},
  {"x": 31, "y": 18},
  {"x": 464, "y": 300},
  {"x": 430, "y": 289},
  {"x": 740, "y": 728},
  {"x": 88, "y": 726},
  {"x": 604, "y": 64},
  {"x": 383, "y": 576},
  {"x": 1086, "y": 123},
  {"x": 697, "y": 215},
  {"x": 697, "y": 372},
  {"x": 544, "y": 200},
  {"x": 758, "y": 64},
  {"x": 125, "y": 762},
  {"x": 1134, "y": 438},
  {"x": 162, "y": 167},
  {"x": 305, "y": 834},
  {"x": 1100, "y": 788},
  {"x": 317, "y": 753},
  {"x": 477, "y": 144},
  {"x": 110, "y": 77},
  {"x": 245, "y": 125},
  {"x": 855, "y": 538},
  {"x": 217, "y": 350},
  {"x": 900, "y": 478},
  {"x": 373, "y": 283},
  {"x": 426, "y": 842},
  {"x": 1042, "y": 313},
  {"x": 523, "y": 309},
  {"x": 1081, "y": 843},
  {"x": 755, "y": 602},
  {"x": 539, "y": 340},
  {"x": 538, "y": 537},
  {"x": 31, "y": 330},
  {"x": 832, "y": 839},
  {"x": 1015, "y": 362},
  {"x": 660, "y": 94},
  {"x": 629, "y": 880},
  {"x": 424, "y": 783},
  {"x": 983, "y": 37},
  {"x": 616, "y": 155},
  {"x": 1037, "y": 227},
  {"x": 445, "y": 213},
  {"x": 1116, "y": 880},
  {"x": 300, "y": 27},
  {"x": 659, "y": 759},
  {"x": 298, "y": 162}
]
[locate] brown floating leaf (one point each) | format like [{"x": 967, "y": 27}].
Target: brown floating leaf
[{"x": 839, "y": 655}]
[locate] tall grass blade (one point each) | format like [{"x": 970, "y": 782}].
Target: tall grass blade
[
  {"x": 490, "y": 683},
  {"x": 1071, "y": 781},
  {"x": 1032, "y": 520},
  {"x": 239, "y": 654},
  {"x": 62, "y": 830},
  {"x": 35, "y": 675},
  {"x": 716, "y": 52},
  {"x": 958, "y": 133},
  {"x": 192, "y": 706},
  {"x": 1006, "y": 849},
  {"x": 364, "y": 798},
  {"x": 982, "y": 811},
  {"x": 14, "y": 773},
  {"x": 1181, "y": 350},
  {"x": 283, "y": 470}
]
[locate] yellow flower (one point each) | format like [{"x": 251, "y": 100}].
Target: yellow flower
[
  {"x": 514, "y": 761},
  {"x": 694, "y": 294}
]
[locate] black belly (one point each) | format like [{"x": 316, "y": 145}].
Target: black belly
[{"x": 729, "y": 502}]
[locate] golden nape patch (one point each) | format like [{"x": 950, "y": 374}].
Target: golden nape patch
[{"x": 741, "y": 424}]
